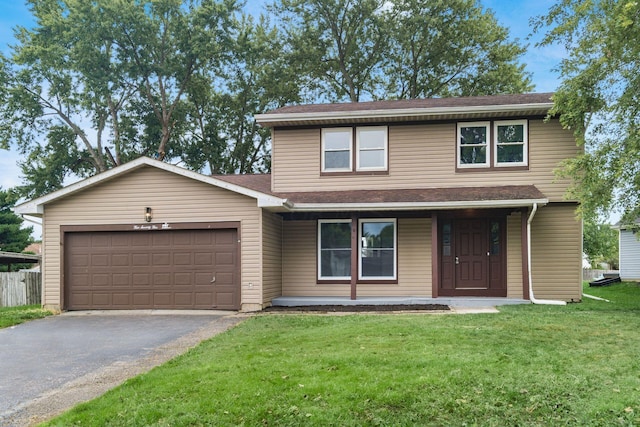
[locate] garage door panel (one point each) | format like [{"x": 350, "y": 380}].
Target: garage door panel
[
  {"x": 160, "y": 259},
  {"x": 119, "y": 260},
  {"x": 204, "y": 239},
  {"x": 160, "y": 239},
  {"x": 121, "y": 300},
  {"x": 152, "y": 269},
  {"x": 100, "y": 280},
  {"x": 121, "y": 279},
  {"x": 203, "y": 258},
  {"x": 101, "y": 260},
  {"x": 80, "y": 260},
  {"x": 182, "y": 258},
  {"x": 162, "y": 299},
  {"x": 100, "y": 298},
  {"x": 100, "y": 241},
  {"x": 183, "y": 279},
  {"x": 140, "y": 259},
  {"x": 183, "y": 299}
]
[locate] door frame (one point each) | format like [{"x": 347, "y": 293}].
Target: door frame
[{"x": 443, "y": 271}]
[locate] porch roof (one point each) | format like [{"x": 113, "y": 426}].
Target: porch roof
[{"x": 506, "y": 196}]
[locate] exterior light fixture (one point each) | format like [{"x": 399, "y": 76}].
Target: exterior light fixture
[{"x": 147, "y": 214}]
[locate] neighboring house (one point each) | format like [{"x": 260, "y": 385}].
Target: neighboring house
[
  {"x": 419, "y": 199},
  {"x": 629, "y": 252}
]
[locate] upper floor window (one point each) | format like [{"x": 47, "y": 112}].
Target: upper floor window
[
  {"x": 369, "y": 153},
  {"x": 481, "y": 145},
  {"x": 473, "y": 144},
  {"x": 336, "y": 149},
  {"x": 511, "y": 143},
  {"x": 372, "y": 148}
]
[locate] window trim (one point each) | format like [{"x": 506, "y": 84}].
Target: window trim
[
  {"x": 385, "y": 148},
  {"x": 525, "y": 143},
  {"x": 323, "y": 150},
  {"x": 395, "y": 250},
  {"x": 320, "y": 277},
  {"x": 487, "y": 163}
]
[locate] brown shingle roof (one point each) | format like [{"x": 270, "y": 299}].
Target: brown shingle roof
[
  {"x": 470, "y": 101},
  {"x": 409, "y": 110},
  {"x": 262, "y": 183},
  {"x": 426, "y": 195}
]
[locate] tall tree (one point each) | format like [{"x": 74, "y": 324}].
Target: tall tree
[
  {"x": 598, "y": 100},
  {"x": 368, "y": 49},
  {"x": 104, "y": 75},
  {"x": 13, "y": 238},
  {"x": 450, "y": 48},
  {"x": 258, "y": 77},
  {"x": 339, "y": 45}
]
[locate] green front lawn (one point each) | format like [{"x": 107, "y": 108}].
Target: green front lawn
[
  {"x": 10, "y": 316},
  {"x": 527, "y": 366}
]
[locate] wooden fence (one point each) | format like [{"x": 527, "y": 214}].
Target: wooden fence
[{"x": 20, "y": 288}]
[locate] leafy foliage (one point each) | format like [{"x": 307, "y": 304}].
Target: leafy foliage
[
  {"x": 598, "y": 100},
  {"x": 13, "y": 238},
  {"x": 96, "y": 84},
  {"x": 401, "y": 49},
  {"x": 600, "y": 244}
]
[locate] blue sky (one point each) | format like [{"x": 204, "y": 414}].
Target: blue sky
[{"x": 513, "y": 14}]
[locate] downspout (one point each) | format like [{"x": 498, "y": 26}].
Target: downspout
[{"x": 531, "y": 296}]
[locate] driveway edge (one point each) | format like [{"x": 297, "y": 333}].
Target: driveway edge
[{"x": 98, "y": 382}]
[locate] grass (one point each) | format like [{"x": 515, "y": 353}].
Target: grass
[
  {"x": 10, "y": 316},
  {"x": 527, "y": 366}
]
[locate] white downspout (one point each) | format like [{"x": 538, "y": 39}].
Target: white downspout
[{"x": 531, "y": 296}]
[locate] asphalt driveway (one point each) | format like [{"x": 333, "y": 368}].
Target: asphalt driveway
[{"x": 42, "y": 359}]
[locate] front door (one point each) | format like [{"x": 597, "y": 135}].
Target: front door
[{"x": 472, "y": 257}]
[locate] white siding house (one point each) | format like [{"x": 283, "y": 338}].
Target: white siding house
[{"x": 629, "y": 255}]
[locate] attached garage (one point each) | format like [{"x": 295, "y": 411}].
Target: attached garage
[
  {"x": 152, "y": 269},
  {"x": 150, "y": 235}
]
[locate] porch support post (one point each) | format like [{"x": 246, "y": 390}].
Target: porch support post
[
  {"x": 435, "y": 260},
  {"x": 354, "y": 255},
  {"x": 524, "y": 251}
]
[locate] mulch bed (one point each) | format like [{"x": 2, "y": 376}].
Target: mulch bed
[{"x": 358, "y": 308}]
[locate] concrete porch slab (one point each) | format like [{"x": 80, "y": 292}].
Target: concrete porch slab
[{"x": 448, "y": 301}]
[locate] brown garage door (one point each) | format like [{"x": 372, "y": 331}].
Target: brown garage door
[{"x": 168, "y": 269}]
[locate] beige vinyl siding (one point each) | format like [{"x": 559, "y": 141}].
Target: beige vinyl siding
[
  {"x": 414, "y": 262},
  {"x": 271, "y": 257},
  {"x": 421, "y": 156},
  {"x": 514, "y": 256},
  {"x": 173, "y": 199},
  {"x": 556, "y": 255}
]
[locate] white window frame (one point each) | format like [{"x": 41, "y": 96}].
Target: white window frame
[
  {"x": 385, "y": 131},
  {"x": 487, "y": 163},
  {"x": 395, "y": 249},
  {"x": 324, "y": 150},
  {"x": 319, "y": 248},
  {"x": 524, "y": 143}
]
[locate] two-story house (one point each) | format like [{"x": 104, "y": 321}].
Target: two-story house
[{"x": 374, "y": 201}]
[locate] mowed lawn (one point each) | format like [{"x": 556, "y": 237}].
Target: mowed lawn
[
  {"x": 526, "y": 366},
  {"x": 10, "y": 316}
]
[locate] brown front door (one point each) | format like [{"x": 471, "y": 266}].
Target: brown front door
[
  {"x": 472, "y": 257},
  {"x": 471, "y": 244}
]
